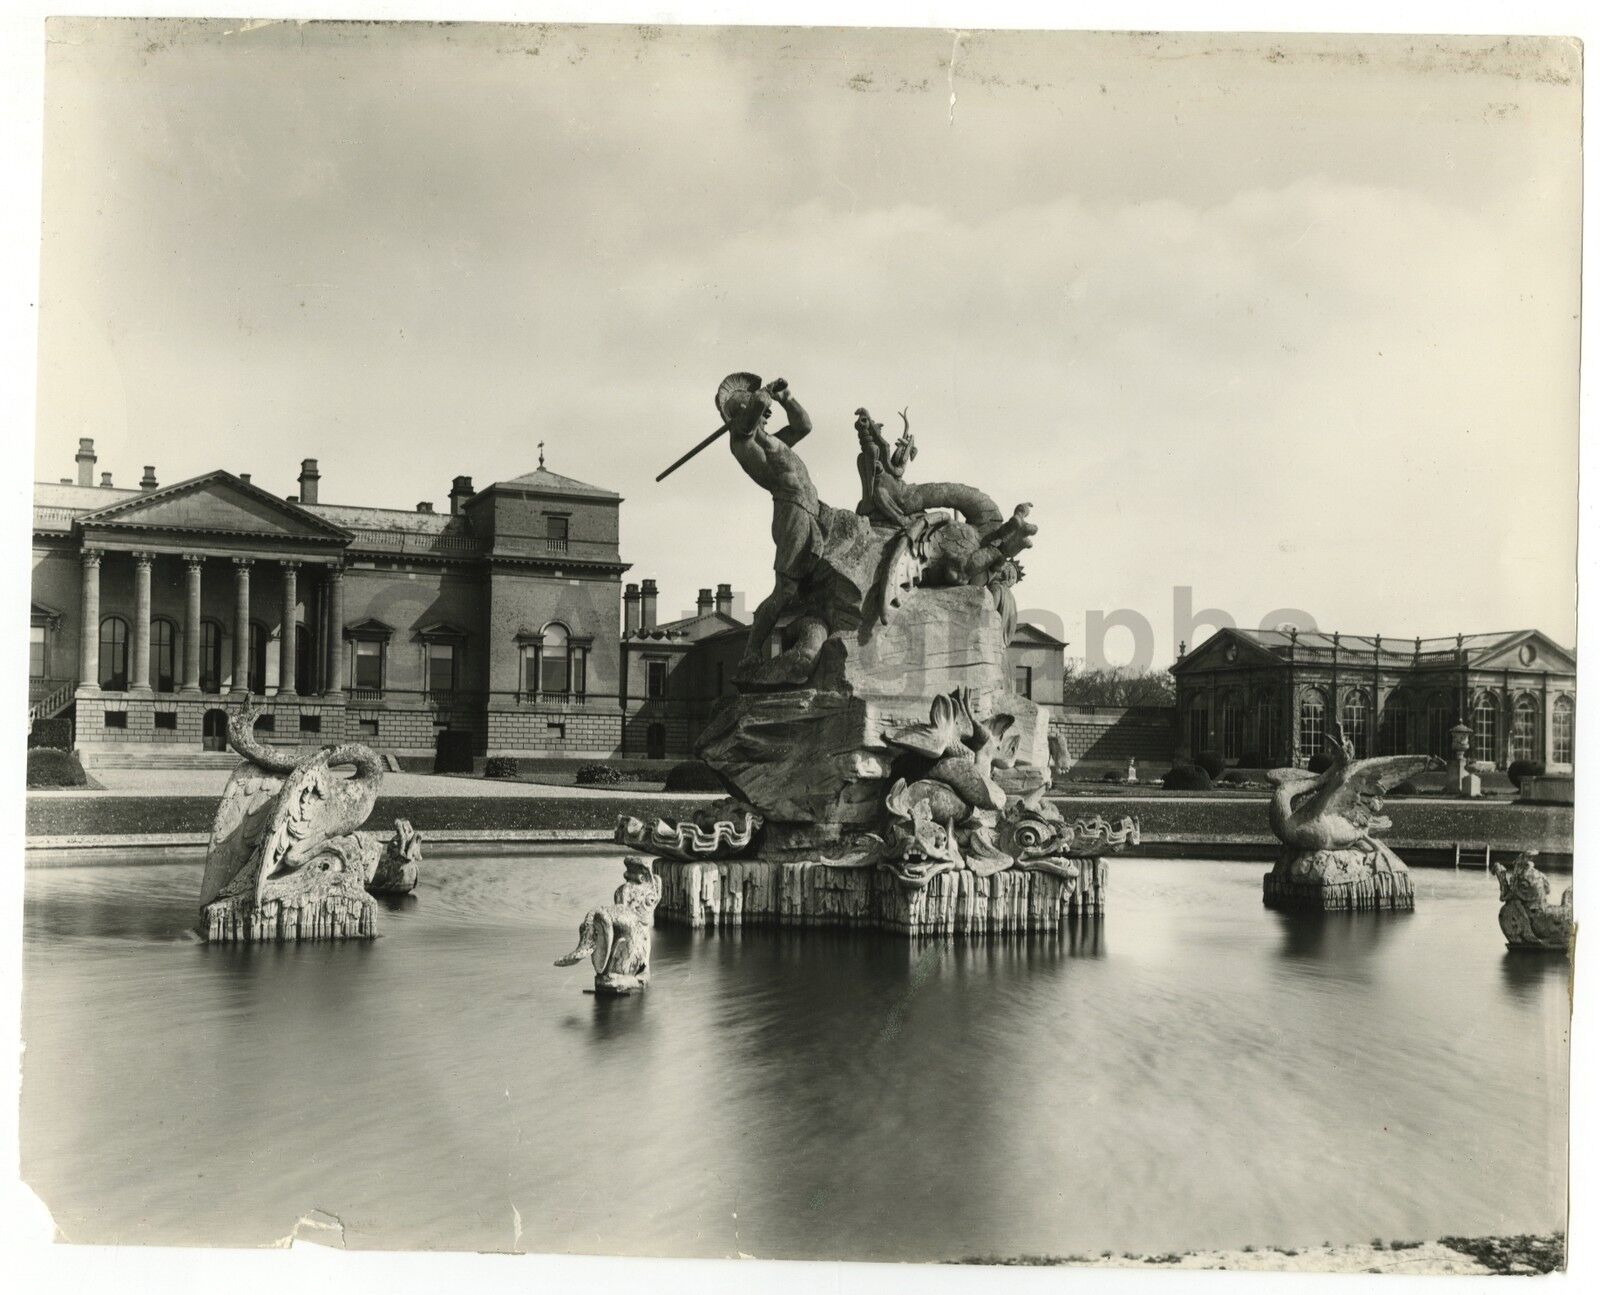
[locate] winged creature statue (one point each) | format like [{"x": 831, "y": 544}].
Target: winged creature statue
[
  {"x": 287, "y": 858},
  {"x": 616, "y": 937},
  {"x": 1338, "y": 809}
]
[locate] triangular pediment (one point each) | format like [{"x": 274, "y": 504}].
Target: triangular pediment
[
  {"x": 370, "y": 628},
  {"x": 1214, "y": 653},
  {"x": 1545, "y": 653},
  {"x": 217, "y": 503}
]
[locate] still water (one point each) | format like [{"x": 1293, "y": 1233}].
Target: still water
[{"x": 1193, "y": 1071}]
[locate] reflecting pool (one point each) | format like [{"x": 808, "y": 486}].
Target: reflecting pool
[{"x": 1191, "y": 1071}]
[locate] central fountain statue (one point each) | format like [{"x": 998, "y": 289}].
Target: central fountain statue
[{"x": 881, "y": 769}]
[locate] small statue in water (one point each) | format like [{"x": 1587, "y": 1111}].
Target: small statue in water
[
  {"x": 1528, "y": 918},
  {"x": 616, "y": 938}
]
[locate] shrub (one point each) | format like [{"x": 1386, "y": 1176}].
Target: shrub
[
  {"x": 592, "y": 775},
  {"x": 1405, "y": 787},
  {"x": 501, "y": 766},
  {"x": 1233, "y": 778},
  {"x": 51, "y": 768},
  {"x": 1517, "y": 770},
  {"x": 1186, "y": 777},
  {"x": 1321, "y": 762},
  {"x": 692, "y": 775},
  {"x": 54, "y": 733},
  {"x": 1211, "y": 762},
  {"x": 1113, "y": 775}
]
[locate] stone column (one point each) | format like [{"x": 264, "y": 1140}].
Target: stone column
[
  {"x": 191, "y": 625},
  {"x": 140, "y": 674},
  {"x": 291, "y": 606},
  {"x": 335, "y": 631},
  {"x": 241, "y": 624},
  {"x": 89, "y": 624}
]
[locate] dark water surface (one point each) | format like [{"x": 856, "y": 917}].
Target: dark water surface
[{"x": 1192, "y": 1072}]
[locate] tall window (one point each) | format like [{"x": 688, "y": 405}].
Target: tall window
[
  {"x": 1313, "y": 724},
  {"x": 1232, "y": 725},
  {"x": 1485, "y": 728},
  {"x": 655, "y": 679},
  {"x": 367, "y": 676},
  {"x": 210, "y": 657},
  {"x": 1525, "y": 734},
  {"x": 258, "y": 657},
  {"x": 1439, "y": 724},
  {"x": 305, "y": 661},
  {"x": 554, "y": 666},
  {"x": 555, "y": 529},
  {"x": 164, "y": 654},
  {"x": 1394, "y": 732},
  {"x": 441, "y": 667},
  {"x": 38, "y": 661},
  {"x": 1024, "y": 683},
  {"x": 1357, "y": 720},
  {"x": 1266, "y": 724},
  {"x": 1561, "y": 731},
  {"x": 553, "y": 663},
  {"x": 114, "y": 654}
]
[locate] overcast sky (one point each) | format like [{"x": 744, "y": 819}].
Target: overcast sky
[{"x": 1292, "y": 321}]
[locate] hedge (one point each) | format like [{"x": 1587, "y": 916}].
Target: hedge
[{"x": 48, "y": 767}]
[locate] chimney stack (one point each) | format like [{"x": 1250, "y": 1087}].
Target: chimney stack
[
  {"x": 630, "y": 610},
  {"x": 725, "y": 600},
  {"x": 426, "y": 506},
  {"x": 148, "y": 481},
  {"x": 105, "y": 481},
  {"x": 291, "y": 499},
  {"x": 66, "y": 481},
  {"x": 245, "y": 477},
  {"x": 702, "y": 603},
  {"x": 460, "y": 492},
  {"x": 309, "y": 476},
  {"x": 647, "y": 605},
  {"x": 86, "y": 458}
]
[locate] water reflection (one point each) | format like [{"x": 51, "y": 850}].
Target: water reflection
[
  {"x": 824, "y": 1093},
  {"x": 1528, "y": 972}
]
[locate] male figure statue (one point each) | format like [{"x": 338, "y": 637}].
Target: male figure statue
[{"x": 799, "y": 520}]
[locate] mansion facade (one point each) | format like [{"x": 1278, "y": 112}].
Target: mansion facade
[
  {"x": 158, "y": 610},
  {"x": 1273, "y": 697}
]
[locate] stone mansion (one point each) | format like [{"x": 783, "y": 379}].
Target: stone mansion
[{"x": 157, "y": 610}]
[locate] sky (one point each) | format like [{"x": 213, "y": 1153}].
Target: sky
[{"x": 1267, "y": 323}]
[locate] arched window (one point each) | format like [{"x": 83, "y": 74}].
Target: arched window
[
  {"x": 164, "y": 655},
  {"x": 1265, "y": 719},
  {"x": 114, "y": 654},
  {"x": 305, "y": 661},
  {"x": 210, "y": 656},
  {"x": 1313, "y": 723},
  {"x": 1485, "y": 728},
  {"x": 1199, "y": 725},
  {"x": 1394, "y": 732},
  {"x": 1233, "y": 717},
  {"x": 554, "y": 664},
  {"x": 1525, "y": 735},
  {"x": 1561, "y": 731},
  {"x": 258, "y": 657},
  {"x": 1357, "y": 720},
  {"x": 1440, "y": 723}
]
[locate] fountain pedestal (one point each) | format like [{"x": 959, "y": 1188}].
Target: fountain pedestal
[{"x": 1338, "y": 880}]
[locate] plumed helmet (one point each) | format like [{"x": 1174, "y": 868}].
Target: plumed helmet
[{"x": 732, "y": 385}]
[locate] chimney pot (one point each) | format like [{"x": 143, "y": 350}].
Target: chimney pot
[
  {"x": 148, "y": 481},
  {"x": 309, "y": 476},
  {"x": 426, "y": 506},
  {"x": 291, "y": 499},
  {"x": 245, "y": 477},
  {"x": 630, "y": 609},
  {"x": 105, "y": 480},
  {"x": 460, "y": 492},
  {"x": 66, "y": 481},
  {"x": 647, "y": 605},
  {"x": 85, "y": 460},
  {"x": 702, "y": 602},
  {"x": 725, "y": 600}
]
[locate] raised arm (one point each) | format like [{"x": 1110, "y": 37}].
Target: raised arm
[{"x": 799, "y": 421}]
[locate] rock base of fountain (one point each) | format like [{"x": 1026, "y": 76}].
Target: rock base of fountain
[
  {"x": 730, "y": 893},
  {"x": 1338, "y": 881},
  {"x": 340, "y": 909}
]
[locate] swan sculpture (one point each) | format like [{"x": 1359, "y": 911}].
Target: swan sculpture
[
  {"x": 1338, "y": 809},
  {"x": 616, "y": 937}
]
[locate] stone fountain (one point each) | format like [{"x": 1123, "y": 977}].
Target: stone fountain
[{"x": 881, "y": 770}]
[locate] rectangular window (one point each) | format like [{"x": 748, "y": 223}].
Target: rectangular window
[
  {"x": 441, "y": 667},
  {"x": 116, "y": 719},
  {"x": 557, "y": 731},
  {"x": 655, "y": 679},
  {"x": 369, "y": 665},
  {"x": 311, "y": 723},
  {"x": 167, "y": 719},
  {"x": 530, "y": 668},
  {"x": 37, "y": 664},
  {"x": 1561, "y": 731},
  {"x": 555, "y": 529},
  {"x": 268, "y": 723},
  {"x": 580, "y": 672},
  {"x": 1024, "y": 682},
  {"x": 367, "y": 727}
]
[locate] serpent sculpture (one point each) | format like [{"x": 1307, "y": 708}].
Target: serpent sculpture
[
  {"x": 287, "y": 859},
  {"x": 616, "y": 938}
]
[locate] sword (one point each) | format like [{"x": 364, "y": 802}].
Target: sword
[{"x": 772, "y": 389}]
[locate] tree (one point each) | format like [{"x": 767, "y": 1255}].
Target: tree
[{"x": 1123, "y": 685}]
